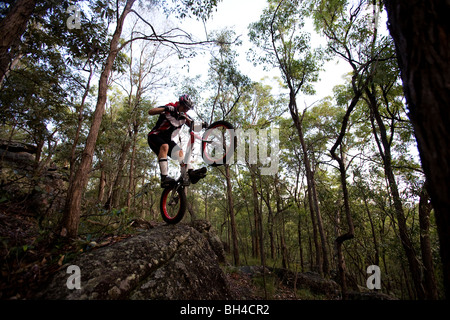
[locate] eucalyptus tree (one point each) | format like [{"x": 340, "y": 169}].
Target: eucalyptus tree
[
  {"x": 353, "y": 36},
  {"x": 391, "y": 127},
  {"x": 287, "y": 47},
  {"x": 422, "y": 37},
  {"x": 261, "y": 110},
  {"x": 229, "y": 86},
  {"x": 72, "y": 210},
  {"x": 356, "y": 38}
]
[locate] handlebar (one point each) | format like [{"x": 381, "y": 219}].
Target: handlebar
[{"x": 194, "y": 124}]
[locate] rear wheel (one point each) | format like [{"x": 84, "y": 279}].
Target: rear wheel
[
  {"x": 219, "y": 143},
  {"x": 173, "y": 204}
]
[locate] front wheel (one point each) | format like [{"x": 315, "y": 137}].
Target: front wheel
[
  {"x": 173, "y": 204},
  {"x": 219, "y": 143}
]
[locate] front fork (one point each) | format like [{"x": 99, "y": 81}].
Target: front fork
[
  {"x": 174, "y": 198},
  {"x": 185, "y": 181}
]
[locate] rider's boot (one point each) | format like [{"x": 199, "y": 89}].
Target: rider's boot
[
  {"x": 166, "y": 181},
  {"x": 196, "y": 175}
]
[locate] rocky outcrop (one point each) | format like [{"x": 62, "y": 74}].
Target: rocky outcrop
[
  {"x": 166, "y": 262},
  {"x": 40, "y": 190}
]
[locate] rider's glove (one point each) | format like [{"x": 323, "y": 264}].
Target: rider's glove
[{"x": 169, "y": 108}]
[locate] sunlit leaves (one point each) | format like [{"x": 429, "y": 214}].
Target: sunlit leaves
[
  {"x": 200, "y": 9},
  {"x": 280, "y": 35}
]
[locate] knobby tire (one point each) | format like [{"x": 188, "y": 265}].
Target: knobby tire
[
  {"x": 164, "y": 209},
  {"x": 229, "y": 153}
]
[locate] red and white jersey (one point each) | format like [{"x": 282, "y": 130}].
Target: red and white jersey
[{"x": 169, "y": 123}]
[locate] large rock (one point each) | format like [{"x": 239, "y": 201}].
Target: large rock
[
  {"x": 167, "y": 262},
  {"x": 41, "y": 192}
]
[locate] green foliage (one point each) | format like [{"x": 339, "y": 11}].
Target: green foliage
[
  {"x": 285, "y": 45},
  {"x": 200, "y": 9}
]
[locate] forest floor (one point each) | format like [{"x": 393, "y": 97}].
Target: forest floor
[
  {"x": 249, "y": 288},
  {"x": 28, "y": 258}
]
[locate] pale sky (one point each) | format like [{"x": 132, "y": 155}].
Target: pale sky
[{"x": 238, "y": 14}]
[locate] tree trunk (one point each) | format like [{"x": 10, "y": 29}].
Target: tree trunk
[
  {"x": 79, "y": 126},
  {"x": 232, "y": 217},
  {"x": 284, "y": 249},
  {"x": 206, "y": 206},
  {"x": 11, "y": 29},
  {"x": 351, "y": 230},
  {"x": 421, "y": 33},
  {"x": 131, "y": 184},
  {"x": 316, "y": 263},
  {"x": 312, "y": 192},
  {"x": 300, "y": 245},
  {"x": 340, "y": 257},
  {"x": 256, "y": 214},
  {"x": 72, "y": 210},
  {"x": 385, "y": 153},
  {"x": 343, "y": 177},
  {"x": 114, "y": 197},
  {"x": 102, "y": 184},
  {"x": 270, "y": 225},
  {"x": 372, "y": 227},
  {"x": 299, "y": 223},
  {"x": 280, "y": 213},
  {"x": 425, "y": 245}
]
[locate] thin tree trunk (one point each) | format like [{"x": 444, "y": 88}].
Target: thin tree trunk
[
  {"x": 261, "y": 252},
  {"x": 249, "y": 216},
  {"x": 114, "y": 197},
  {"x": 131, "y": 184},
  {"x": 316, "y": 263},
  {"x": 351, "y": 231},
  {"x": 234, "y": 235},
  {"x": 256, "y": 214},
  {"x": 340, "y": 257},
  {"x": 299, "y": 223},
  {"x": 374, "y": 236},
  {"x": 385, "y": 152},
  {"x": 425, "y": 245},
  {"x": 102, "y": 184},
  {"x": 312, "y": 192},
  {"x": 343, "y": 177},
  {"x": 300, "y": 243},
  {"x": 206, "y": 206},
  {"x": 284, "y": 249},
  {"x": 72, "y": 210},
  {"x": 79, "y": 125},
  {"x": 270, "y": 223},
  {"x": 280, "y": 210}
]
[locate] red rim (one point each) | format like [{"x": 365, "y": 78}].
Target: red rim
[{"x": 164, "y": 202}]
